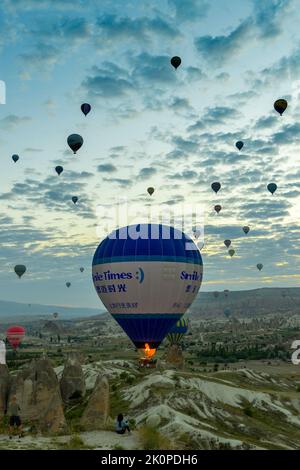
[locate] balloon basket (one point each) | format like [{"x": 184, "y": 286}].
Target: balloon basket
[{"x": 147, "y": 362}]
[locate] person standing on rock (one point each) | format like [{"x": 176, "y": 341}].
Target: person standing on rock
[
  {"x": 122, "y": 425},
  {"x": 14, "y": 417}
]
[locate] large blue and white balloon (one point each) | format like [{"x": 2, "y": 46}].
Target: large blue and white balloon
[{"x": 147, "y": 276}]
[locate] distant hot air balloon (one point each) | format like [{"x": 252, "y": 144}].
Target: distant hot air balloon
[
  {"x": 153, "y": 279},
  {"x": 216, "y": 186},
  {"x": 226, "y": 292},
  {"x": 246, "y": 229},
  {"x": 280, "y": 106},
  {"x": 239, "y": 145},
  {"x": 176, "y": 61},
  {"x": 20, "y": 270},
  {"x": 14, "y": 335},
  {"x": 227, "y": 312},
  {"x": 227, "y": 243},
  {"x": 74, "y": 199},
  {"x": 15, "y": 158},
  {"x": 75, "y": 141},
  {"x": 81, "y": 269},
  {"x": 272, "y": 187},
  {"x": 218, "y": 208},
  {"x": 231, "y": 252},
  {"x": 55, "y": 314},
  {"x": 68, "y": 284},
  {"x": 177, "y": 331},
  {"x": 150, "y": 191},
  {"x": 85, "y": 108},
  {"x": 59, "y": 169},
  {"x": 259, "y": 266}
]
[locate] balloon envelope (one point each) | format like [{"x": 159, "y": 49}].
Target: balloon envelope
[
  {"x": 259, "y": 266},
  {"x": 85, "y": 108},
  {"x": 272, "y": 187},
  {"x": 176, "y": 61},
  {"x": 150, "y": 191},
  {"x": 68, "y": 284},
  {"x": 280, "y": 106},
  {"x": 81, "y": 269},
  {"x": 231, "y": 252},
  {"x": 246, "y": 229},
  {"x": 20, "y": 269},
  {"x": 74, "y": 199},
  {"x": 216, "y": 186},
  {"x": 178, "y": 330},
  {"x": 15, "y": 158},
  {"x": 147, "y": 275},
  {"x": 218, "y": 208},
  {"x": 239, "y": 145},
  {"x": 55, "y": 314},
  {"x": 227, "y": 243},
  {"x": 14, "y": 335},
  {"x": 59, "y": 169},
  {"x": 75, "y": 141}
]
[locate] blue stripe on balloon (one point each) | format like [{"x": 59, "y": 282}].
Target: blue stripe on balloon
[{"x": 121, "y": 259}]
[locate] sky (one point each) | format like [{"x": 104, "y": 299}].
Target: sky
[{"x": 149, "y": 126}]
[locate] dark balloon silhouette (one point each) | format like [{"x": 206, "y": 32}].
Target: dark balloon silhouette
[
  {"x": 226, "y": 293},
  {"x": 68, "y": 284},
  {"x": 239, "y": 145},
  {"x": 15, "y": 158},
  {"x": 75, "y": 141},
  {"x": 231, "y": 252},
  {"x": 150, "y": 191},
  {"x": 81, "y": 269},
  {"x": 216, "y": 186},
  {"x": 259, "y": 266},
  {"x": 280, "y": 106},
  {"x": 85, "y": 108},
  {"x": 74, "y": 199},
  {"x": 20, "y": 269},
  {"x": 59, "y": 169},
  {"x": 272, "y": 187},
  {"x": 246, "y": 229},
  {"x": 227, "y": 243},
  {"x": 175, "y": 61},
  {"x": 218, "y": 208}
]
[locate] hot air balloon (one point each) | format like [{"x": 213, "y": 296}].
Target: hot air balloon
[
  {"x": 147, "y": 275},
  {"x": 150, "y": 191},
  {"x": 15, "y": 158},
  {"x": 272, "y": 187},
  {"x": 227, "y": 243},
  {"x": 55, "y": 314},
  {"x": 14, "y": 335},
  {"x": 81, "y": 269},
  {"x": 218, "y": 208},
  {"x": 75, "y": 141},
  {"x": 246, "y": 229},
  {"x": 85, "y": 108},
  {"x": 20, "y": 270},
  {"x": 216, "y": 294},
  {"x": 226, "y": 292},
  {"x": 216, "y": 186},
  {"x": 74, "y": 199},
  {"x": 227, "y": 312},
  {"x": 175, "y": 61},
  {"x": 177, "y": 331},
  {"x": 239, "y": 145},
  {"x": 68, "y": 284},
  {"x": 259, "y": 266},
  {"x": 59, "y": 169},
  {"x": 231, "y": 252},
  {"x": 280, "y": 106}
]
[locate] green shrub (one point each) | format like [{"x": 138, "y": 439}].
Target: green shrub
[{"x": 151, "y": 439}]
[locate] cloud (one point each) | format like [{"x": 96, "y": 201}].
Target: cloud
[
  {"x": 122, "y": 182},
  {"x": 112, "y": 29},
  {"x": 146, "y": 173},
  {"x": 215, "y": 116},
  {"x": 185, "y": 175},
  {"x": 189, "y": 10},
  {"x": 219, "y": 49},
  {"x": 110, "y": 81},
  {"x": 289, "y": 134},
  {"x": 106, "y": 168},
  {"x": 266, "y": 122},
  {"x": 269, "y": 15},
  {"x": 11, "y": 121}
]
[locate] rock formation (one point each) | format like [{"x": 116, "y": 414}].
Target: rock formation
[
  {"x": 72, "y": 383},
  {"x": 96, "y": 413},
  {"x": 4, "y": 388}
]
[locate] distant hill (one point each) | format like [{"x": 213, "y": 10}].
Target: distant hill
[
  {"x": 248, "y": 302},
  {"x": 9, "y": 310}
]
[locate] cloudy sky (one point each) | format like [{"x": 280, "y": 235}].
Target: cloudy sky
[{"x": 149, "y": 126}]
